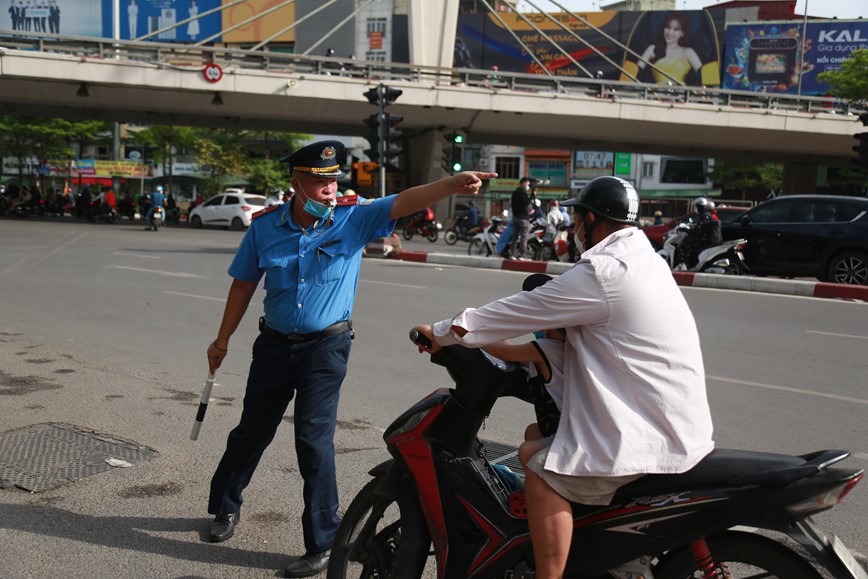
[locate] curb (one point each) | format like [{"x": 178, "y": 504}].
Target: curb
[{"x": 705, "y": 280}]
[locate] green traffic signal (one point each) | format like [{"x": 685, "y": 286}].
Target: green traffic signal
[
  {"x": 458, "y": 138},
  {"x": 456, "y": 167}
]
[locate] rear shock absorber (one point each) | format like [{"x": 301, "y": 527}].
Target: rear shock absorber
[{"x": 705, "y": 563}]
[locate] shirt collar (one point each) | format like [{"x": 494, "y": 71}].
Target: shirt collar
[{"x": 611, "y": 239}]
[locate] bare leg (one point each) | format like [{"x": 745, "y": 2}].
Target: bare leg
[
  {"x": 549, "y": 518},
  {"x": 532, "y": 432}
]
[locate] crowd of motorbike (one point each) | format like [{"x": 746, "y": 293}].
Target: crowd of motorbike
[
  {"x": 550, "y": 241},
  {"x": 22, "y": 203}
]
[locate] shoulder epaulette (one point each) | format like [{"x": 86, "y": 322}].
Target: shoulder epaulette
[
  {"x": 348, "y": 200},
  {"x": 262, "y": 212}
]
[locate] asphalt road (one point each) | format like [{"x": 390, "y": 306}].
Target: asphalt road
[{"x": 105, "y": 327}]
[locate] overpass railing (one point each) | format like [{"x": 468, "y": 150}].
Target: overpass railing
[{"x": 189, "y": 57}]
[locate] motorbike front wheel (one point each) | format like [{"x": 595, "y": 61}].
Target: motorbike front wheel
[
  {"x": 746, "y": 554},
  {"x": 368, "y": 543},
  {"x": 433, "y": 235},
  {"x": 478, "y": 247},
  {"x": 450, "y": 237}
]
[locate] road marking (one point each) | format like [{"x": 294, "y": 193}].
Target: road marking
[
  {"x": 161, "y": 272},
  {"x": 135, "y": 255},
  {"x": 837, "y": 335},
  {"x": 394, "y": 284},
  {"x": 790, "y": 389},
  {"x": 862, "y": 455},
  {"x": 198, "y": 297}
]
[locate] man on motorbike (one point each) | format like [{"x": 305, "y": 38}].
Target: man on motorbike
[
  {"x": 634, "y": 399},
  {"x": 158, "y": 199},
  {"x": 700, "y": 237},
  {"x": 469, "y": 219}
]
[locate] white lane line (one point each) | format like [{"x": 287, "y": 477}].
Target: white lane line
[
  {"x": 168, "y": 273},
  {"x": 790, "y": 389},
  {"x": 837, "y": 335},
  {"x": 196, "y": 296},
  {"x": 862, "y": 455},
  {"x": 135, "y": 255},
  {"x": 394, "y": 284}
]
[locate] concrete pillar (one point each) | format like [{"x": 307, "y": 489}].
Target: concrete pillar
[
  {"x": 432, "y": 31},
  {"x": 799, "y": 179},
  {"x": 426, "y": 151}
]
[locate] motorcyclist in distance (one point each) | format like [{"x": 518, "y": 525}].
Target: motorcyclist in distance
[
  {"x": 700, "y": 236},
  {"x": 469, "y": 219}
]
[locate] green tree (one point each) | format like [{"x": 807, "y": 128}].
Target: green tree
[
  {"x": 165, "y": 141},
  {"x": 741, "y": 177},
  {"x": 219, "y": 153},
  {"x": 266, "y": 172},
  {"x": 850, "y": 82}
]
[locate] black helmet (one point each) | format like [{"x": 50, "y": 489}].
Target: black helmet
[{"x": 608, "y": 197}]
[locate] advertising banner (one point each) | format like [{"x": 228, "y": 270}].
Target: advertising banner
[
  {"x": 141, "y": 17},
  {"x": 94, "y": 168},
  {"x": 74, "y": 17},
  {"x": 261, "y": 28},
  {"x": 766, "y": 57},
  {"x": 590, "y": 164},
  {"x": 682, "y": 45}
]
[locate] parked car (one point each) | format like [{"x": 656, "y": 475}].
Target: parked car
[
  {"x": 656, "y": 233},
  {"x": 231, "y": 210},
  {"x": 822, "y": 236}
]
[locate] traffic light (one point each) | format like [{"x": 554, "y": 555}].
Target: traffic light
[
  {"x": 862, "y": 148},
  {"x": 381, "y": 134},
  {"x": 373, "y": 138},
  {"x": 453, "y": 153}
]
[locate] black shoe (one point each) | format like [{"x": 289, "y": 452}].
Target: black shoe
[
  {"x": 309, "y": 564},
  {"x": 223, "y": 527}
]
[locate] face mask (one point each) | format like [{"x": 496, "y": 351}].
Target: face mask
[
  {"x": 315, "y": 208},
  {"x": 539, "y": 335}
]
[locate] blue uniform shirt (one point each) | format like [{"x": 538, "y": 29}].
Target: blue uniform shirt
[
  {"x": 310, "y": 281},
  {"x": 157, "y": 199}
]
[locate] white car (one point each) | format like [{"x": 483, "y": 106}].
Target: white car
[{"x": 231, "y": 210}]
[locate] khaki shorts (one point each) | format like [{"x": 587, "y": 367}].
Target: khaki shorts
[{"x": 586, "y": 490}]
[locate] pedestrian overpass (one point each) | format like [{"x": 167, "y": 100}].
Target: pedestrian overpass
[{"x": 157, "y": 83}]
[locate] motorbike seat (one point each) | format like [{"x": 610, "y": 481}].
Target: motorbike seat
[{"x": 733, "y": 468}]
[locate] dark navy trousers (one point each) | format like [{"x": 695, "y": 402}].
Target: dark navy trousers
[{"x": 312, "y": 373}]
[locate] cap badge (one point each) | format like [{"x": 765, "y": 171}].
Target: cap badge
[{"x": 328, "y": 153}]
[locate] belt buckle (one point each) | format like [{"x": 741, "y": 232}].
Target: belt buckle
[{"x": 295, "y": 338}]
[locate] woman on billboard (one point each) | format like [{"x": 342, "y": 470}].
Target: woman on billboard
[{"x": 668, "y": 46}]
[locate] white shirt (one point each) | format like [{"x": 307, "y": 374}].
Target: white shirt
[
  {"x": 553, "y": 352},
  {"x": 634, "y": 397},
  {"x": 554, "y": 216}
]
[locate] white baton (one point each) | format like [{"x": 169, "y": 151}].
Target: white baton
[{"x": 203, "y": 406}]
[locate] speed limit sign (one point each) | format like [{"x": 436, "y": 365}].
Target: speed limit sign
[{"x": 212, "y": 73}]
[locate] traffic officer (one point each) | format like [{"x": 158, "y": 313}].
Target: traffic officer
[{"x": 310, "y": 251}]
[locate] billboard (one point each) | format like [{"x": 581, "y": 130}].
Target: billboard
[
  {"x": 590, "y": 164},
  {"x": 683, "y": 46},
  {"x": 767, "y": 57},
  {"x": 142, "y": 17},
  {"x": 77, "y": 18},
  {"x": 271, "y": 25}
]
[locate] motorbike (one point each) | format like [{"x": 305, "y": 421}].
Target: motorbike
[
  {"x": 453, "y": 234},
  {"x": 544, "y": 244},
  {"x": 101, "y": 212},
  {"x": 440, "y": 488},
  {"x": 726, "y": 257},
  {"x": 424, "y": 224},
  {"x": 485, "y": 242},
  {"x": 157, "y": 218}
]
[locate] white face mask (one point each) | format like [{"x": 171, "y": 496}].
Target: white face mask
[{"x": 577, "y": 238}]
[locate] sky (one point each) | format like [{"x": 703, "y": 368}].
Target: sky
[{"x": 843, "y": 9}]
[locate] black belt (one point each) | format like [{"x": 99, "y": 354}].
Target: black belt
[{"x": 332, "y": 330}]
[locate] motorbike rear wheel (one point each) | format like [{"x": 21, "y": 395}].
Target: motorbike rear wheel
[
  {"x": 407, "y": 233},
  {"x": 748, "y": 556},
  {"x": 450, "y": 237},
  {"x": 376, "y": 556}
]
